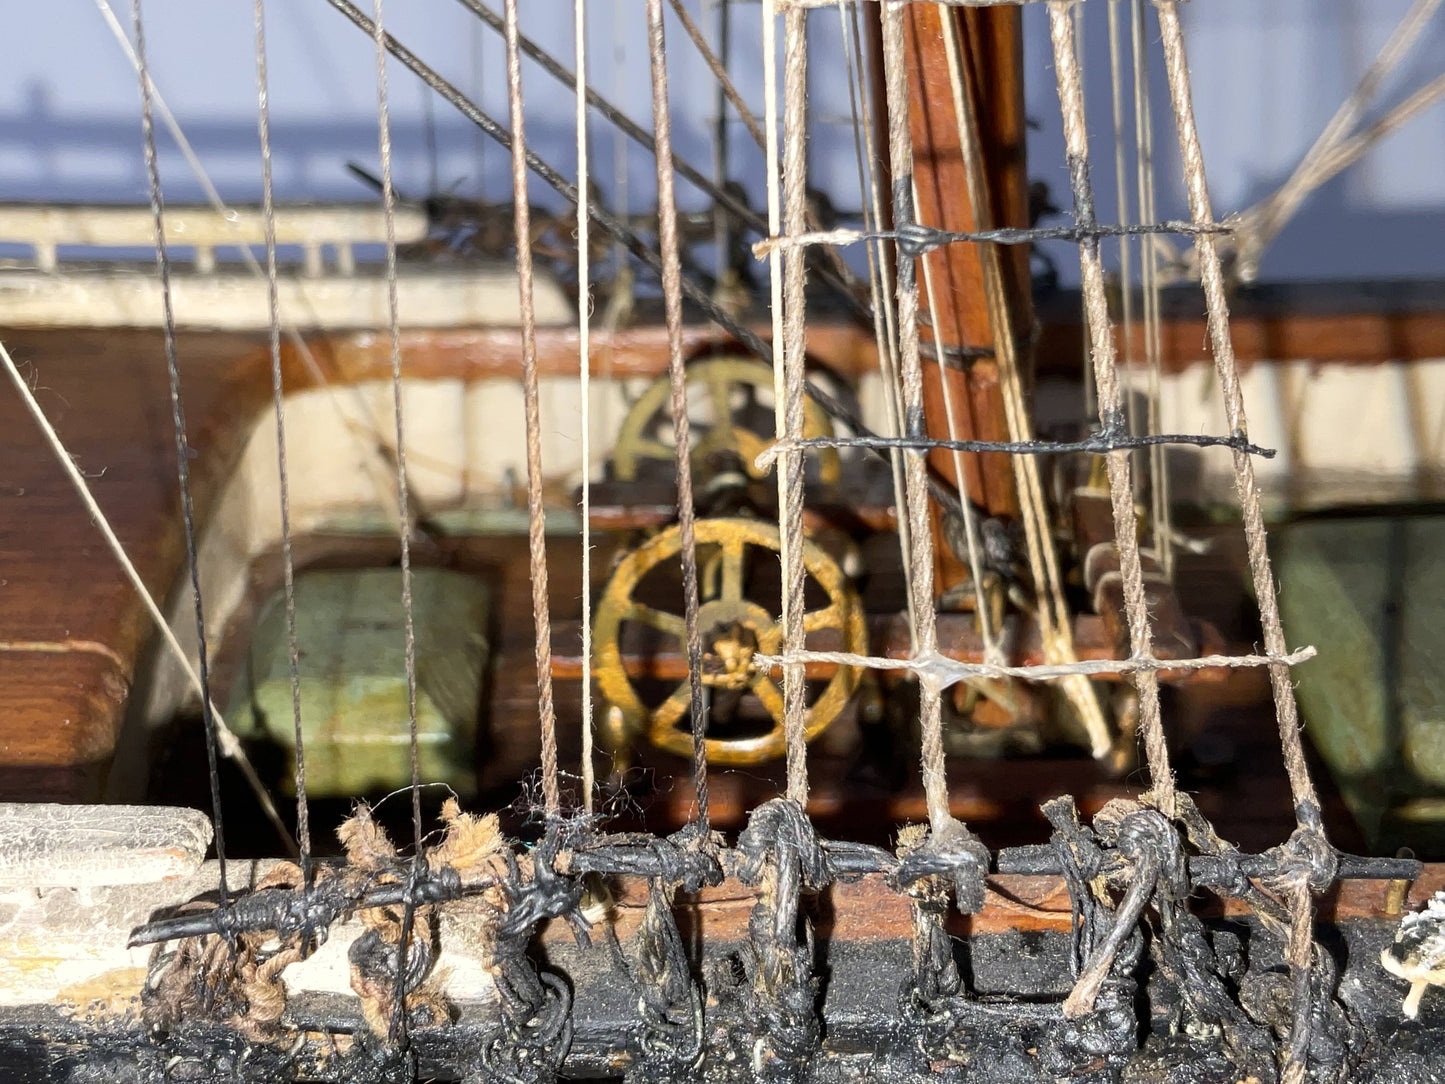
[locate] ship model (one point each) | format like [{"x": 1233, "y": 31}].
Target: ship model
[{"x": 780, "y": 635}]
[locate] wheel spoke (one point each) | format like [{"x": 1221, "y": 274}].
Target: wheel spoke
[
  {"x": 828, "y": 618},
  {"x": 673, "y": 708},
  {"x": 766, "y": 690},
  {"x": 672, "y": 624},
  {"x": 647, "y": 448},
  {"x": 720, "y": 390},
  {"x": 732, "y": 569}
]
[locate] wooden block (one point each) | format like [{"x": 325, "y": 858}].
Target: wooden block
[{"x": 86, "y": 846}]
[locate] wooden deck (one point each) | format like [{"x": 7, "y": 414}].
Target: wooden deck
[{"x": 74, "y": 637}]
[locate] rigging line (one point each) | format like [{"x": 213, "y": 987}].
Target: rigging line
[
  {"x": 885, "y": 331},
  {"x": 477, "y": 42},
  {"x": 720, "y": 73},
  {"x": 835, "y": 263},
  {"x": 1268, "y": 217},
  {"x": 1099, "y": 441},
  {"x": 900, "y": 158},
  {"x": 948, "y": 671},
  {"x": 584, "y": 316},
  {"x": 791, "y": 408},
  {"x": 536, "y": 516},
  {"x": 1055, "y": 623},
  {"x": 1349, "y": 151},
  {"x": 918, "y": 238},
  {"x": 837, "y": 276},
  {"x": 1149, "y": 271},
  {"x": 681, "y": 428},
  {"x": 991, "y": 648},
  {"x": 229, "y": 746},
  {"x": 268, "y": 214},
  {"x": 372, "y": 455},
  {"x": 398, "y": 1026},
  {"x": 722, "y": 228},
  {"x": 1121, "y": 196},
  {"x": 619, "y": 119},
  {"x": 183, "y": 451},
  {"x": 775, "y": 298},
  {"x": 1299, "y": 949},
  {"x": 1106, "y": 383},
  {"x": 226, "y": 741},
  {"x": 1302, "y": 788},
  {"x": 620, "y": 298},
  {"x": 618, "y": 229}
]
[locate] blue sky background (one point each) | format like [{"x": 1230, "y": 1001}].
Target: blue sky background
[{"x": 1268, "y": 74}]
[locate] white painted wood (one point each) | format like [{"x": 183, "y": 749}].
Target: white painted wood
[
  {"x": 1344, "y": 433},
  {"x": 67, "y": 946},
  {"x": 132, "y": 225},
  {"x": 235, "y": 300},
  {"x": 89, "y": 846}
]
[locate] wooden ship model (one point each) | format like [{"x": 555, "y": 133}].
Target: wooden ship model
[{"x": 532, "y": 653}]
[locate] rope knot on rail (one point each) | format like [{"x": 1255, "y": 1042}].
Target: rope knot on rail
[
  {"x": 781, "y": 856},
  {"x": 922, "y": 875},
  {"x": 234, "y": 975},
  {"x": 1306, "y": 858},
  {"x": 954, "y": 854},
  {"x": 1108, "y": 943},
  {"x": 670, "y": 999},
  {"x": 688, "y": 859},
  {"x": 536, "y": 1005}
]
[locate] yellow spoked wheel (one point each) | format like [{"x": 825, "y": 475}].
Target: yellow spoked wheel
[
  {"x": 730, "y": 408},
  {"x": 738, "y": 563}
]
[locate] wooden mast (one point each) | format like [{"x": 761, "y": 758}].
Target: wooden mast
[{"x": 962, "y": 397}]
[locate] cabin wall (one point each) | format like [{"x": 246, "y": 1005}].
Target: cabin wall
[{"x": 1343, "y": 433}]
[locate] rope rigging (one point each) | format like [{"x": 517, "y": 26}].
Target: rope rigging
[{"x": 1129, "y": 869}]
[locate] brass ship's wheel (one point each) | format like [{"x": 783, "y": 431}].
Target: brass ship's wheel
[
  {"x": 730, "y": 407},
  {"x": 738, "y": 563}
]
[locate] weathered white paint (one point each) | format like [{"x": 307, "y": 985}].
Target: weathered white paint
[
  {"x": 236, "y": 300},
  {"x": 133, "y": 225},
  {"x": 1344, "y": 433},
  {"x": 87, "y": 846},
  {"x": 67, "y": 945}
]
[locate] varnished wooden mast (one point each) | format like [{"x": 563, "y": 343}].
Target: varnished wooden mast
[{"x": 961, "y": 335}]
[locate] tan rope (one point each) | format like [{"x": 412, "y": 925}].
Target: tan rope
[
  {"x": 1121, "y": 195},
  {"x": 1227, "y": 370},
  {"x": 720, "y": 73},
  {"x": 1299, "y": 949},
  {"x": 885, "y": 330},
  {"x": 677, "y": 375},
  {"x": 584, "y": 319},
  {"x": 1096, "y": 307},
  {"x": 1149, "y": 272},
  {"x": 916, "y": 506},
  {"x": 1349, "y": 151},
  {"x": 772, "y": 154},
  {"x": 536, "y": 516},
  {"x": 226, "y": 741},
  {"x": 373, "y": 456},
  {"x": 1256, "y": 227},
  {"x": 792, "y": 362},
  {"x": 1055, "y": 627},
  {"x": 949, "y": 671}
]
